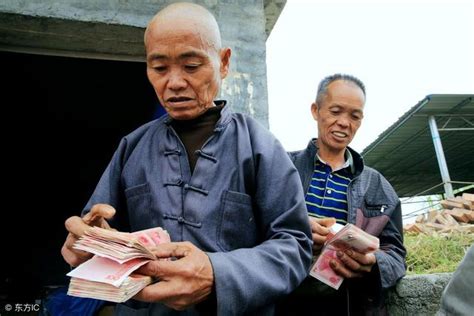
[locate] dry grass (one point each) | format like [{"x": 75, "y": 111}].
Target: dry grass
[{"x": 436, "y": 253}]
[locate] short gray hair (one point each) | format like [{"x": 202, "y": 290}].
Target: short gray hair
[{"x": 323, "y": 85}]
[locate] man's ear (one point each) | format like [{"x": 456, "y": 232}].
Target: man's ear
[
  {"x": 315, "y": 110},
  {"x": 225, "y": 54}
]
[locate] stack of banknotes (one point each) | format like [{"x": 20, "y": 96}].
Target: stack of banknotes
[
  {"x": 340, "y": 239},
  {"x": 109, "y": 274}
]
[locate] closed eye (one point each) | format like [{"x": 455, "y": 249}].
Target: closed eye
[
  {"x": 335, "y": 110},
  {"x": 191, "y": 67},
  {"x": 357, "y": 116},
  {"x": 159, "y": 69}
]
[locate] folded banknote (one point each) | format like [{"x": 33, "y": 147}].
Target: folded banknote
[{"x": 349, "y": 237}]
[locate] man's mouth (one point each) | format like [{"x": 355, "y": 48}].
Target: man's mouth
[
  {"x": 339, "y": 134},
  {"x": 178, "y": 99}
]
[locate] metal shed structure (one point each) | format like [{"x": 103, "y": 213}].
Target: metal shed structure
[{"x": 430, "y": 149}]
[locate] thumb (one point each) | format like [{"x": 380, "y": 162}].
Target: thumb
[
  {"x": 97, "y": 213},
  {"x": 174, "y": 249}
]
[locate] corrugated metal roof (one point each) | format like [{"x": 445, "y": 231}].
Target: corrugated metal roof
[{"x": 405, "y": 154}]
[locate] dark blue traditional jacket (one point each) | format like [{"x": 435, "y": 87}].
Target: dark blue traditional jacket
[{"x": 243, "y": 204}]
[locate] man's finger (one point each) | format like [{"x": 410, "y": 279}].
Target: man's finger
[
  {"x": 356, "y": 261},
  {"x": 165, "y": 268},
  {"x": 76, "y": 226},
  {"x": 159, "y": 291},
  {"x": 173, "y": 249},
  {"x": 321, "y": 225},
  {"x": 318, "y": 239},
  {"x": 97, "y": 212},
  {"x": 341, "y": 270},
  {"x": 348, "y": 262},
  {"x": 160, "y": 269},
  {"x": 366, "y": 260},
  {"x": 73, "y": 256},
  {"x": 327, "y": 221}
]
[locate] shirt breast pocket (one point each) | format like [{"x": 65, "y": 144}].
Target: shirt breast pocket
[
  {"x": 237, "y": 227},
  {"x": 138, "y": 206},
  {"x": 372, "y": 217},
  {"x": 371, "y": 210}
]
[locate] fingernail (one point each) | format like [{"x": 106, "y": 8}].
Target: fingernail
[
  {"x": 349, "y": 252},
  {"x": 339, "y": 254}
]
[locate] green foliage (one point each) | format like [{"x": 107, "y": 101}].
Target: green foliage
[{"x": 435, "y": 253}]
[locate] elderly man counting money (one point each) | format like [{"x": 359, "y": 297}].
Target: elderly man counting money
[{"x": 212, "y": 178}]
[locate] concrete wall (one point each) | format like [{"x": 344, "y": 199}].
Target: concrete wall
[
  {"x": 113, "y": 29},
  {"x": 418, "y": 295}
]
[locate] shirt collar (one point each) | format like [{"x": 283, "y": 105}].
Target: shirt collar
[
  {"x": 224, "y": 119},
  {"x": 349, "y": 161}
]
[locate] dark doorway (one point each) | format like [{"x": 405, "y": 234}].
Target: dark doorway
[{"x": 62, "y": 118}]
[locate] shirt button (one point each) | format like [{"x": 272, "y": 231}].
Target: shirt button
[
  {"x": 330, "y": 176},
  {"x": 329, "y": 191}
]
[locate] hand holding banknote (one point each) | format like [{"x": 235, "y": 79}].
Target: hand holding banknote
[
  {"x": 320, "y": 231},
  {"x": 76, "y": 226},
  {"x": 183, "y": 282},
  {"x": 352, "y": 263},
  {"x": 348, "y": 253},
  {"x": 110, "y": 274}
]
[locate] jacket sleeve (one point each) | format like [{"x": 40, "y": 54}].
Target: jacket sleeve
[{"x": 249, "y": 278}]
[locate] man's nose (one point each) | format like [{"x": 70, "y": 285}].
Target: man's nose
[
  {"x": 343, "y": 120},
  {"x": 177, "y": 81}
]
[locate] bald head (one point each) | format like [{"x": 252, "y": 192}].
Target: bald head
[
  {"x": 184, "y": 16},
  {"x": 185, "y": 61}
]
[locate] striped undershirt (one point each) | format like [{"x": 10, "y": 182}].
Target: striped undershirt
[{"x": 327, "y": 192}]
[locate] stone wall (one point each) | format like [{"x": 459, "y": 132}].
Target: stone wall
[{"x": 418, "y": 295}]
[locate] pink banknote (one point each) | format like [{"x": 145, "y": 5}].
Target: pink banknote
[
  {"x": 349, "y": 237},
  {"x": 153, "y": 236},
  {"x": 322, "y": 271},
  {"x": 107, "y": 275},
  {"x": 133, "y": 284},
  {"x": 120, "y": 246},
  {"x": 105, "y": 270}
]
